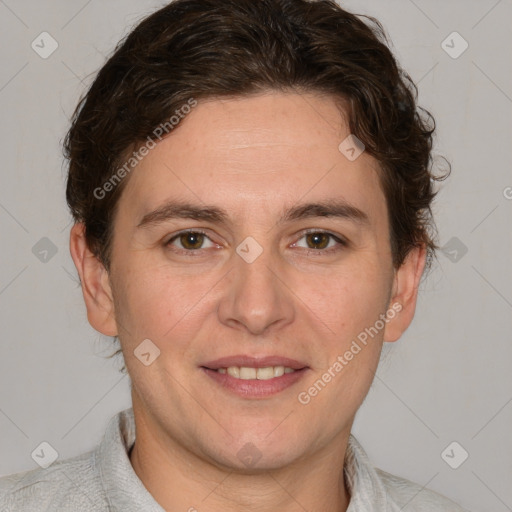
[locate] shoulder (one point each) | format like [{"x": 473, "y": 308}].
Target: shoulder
[
  {"x": 67, "y": 485},
  {"x": 416, "y": 497}
]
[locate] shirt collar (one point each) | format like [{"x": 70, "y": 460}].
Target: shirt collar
[
  {"x": 125, "y": 491},
  {"x": 366, "y": 488}
]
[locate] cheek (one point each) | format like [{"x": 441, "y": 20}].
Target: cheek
[
  {"x": 351, "y": 305},
  {"x": 346, "y": 300},
  {"x": 140, "y": 300},
  {"x": 151, "y": 302}
]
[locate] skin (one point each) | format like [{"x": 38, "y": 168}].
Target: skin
[{"x": 253, "y": 157}]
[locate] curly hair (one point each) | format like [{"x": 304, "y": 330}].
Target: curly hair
[{"x": 224, "y": 48}]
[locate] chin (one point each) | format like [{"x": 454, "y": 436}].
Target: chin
[{"x": 257, "y": 452}]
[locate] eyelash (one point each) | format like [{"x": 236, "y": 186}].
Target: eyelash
[{"x": 316, "y": 252}]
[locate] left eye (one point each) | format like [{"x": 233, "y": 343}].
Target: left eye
[{"x": 321, "y": 240}]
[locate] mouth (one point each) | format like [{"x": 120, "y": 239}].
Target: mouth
[
  {"x": 251, "y": 377},
  {"x": 248, "y": 373}
]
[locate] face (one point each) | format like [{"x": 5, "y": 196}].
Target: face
[{"x": 248, "y": 239}]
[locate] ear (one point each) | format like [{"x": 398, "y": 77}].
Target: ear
[
  {"x": 95, "y": 283},
  {"x": 402, "y": 304}
]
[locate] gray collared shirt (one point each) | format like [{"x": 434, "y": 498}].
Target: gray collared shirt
[{"x": 104, "y": 480}]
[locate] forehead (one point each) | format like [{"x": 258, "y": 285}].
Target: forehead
[{"x": 254, "y": 154}]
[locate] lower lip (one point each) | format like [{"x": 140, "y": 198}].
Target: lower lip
[{"x": 254, "y": 388}]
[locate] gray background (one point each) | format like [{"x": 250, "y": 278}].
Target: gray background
[{"x": 448, "y": 379}]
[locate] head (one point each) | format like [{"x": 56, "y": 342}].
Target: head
[{"x": 285, "y": 139}]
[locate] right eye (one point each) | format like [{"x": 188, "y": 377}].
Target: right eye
[{"x": 190, "y": 241}]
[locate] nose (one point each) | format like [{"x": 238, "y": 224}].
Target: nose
[{"x": 256, "y": 297}]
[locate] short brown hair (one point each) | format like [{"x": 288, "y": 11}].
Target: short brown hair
[{"x": 218, "y": 48}]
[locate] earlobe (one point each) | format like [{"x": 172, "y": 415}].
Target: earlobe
[
  {"x": 95, "y": 283},
  {"x": 405, "y": 293}
]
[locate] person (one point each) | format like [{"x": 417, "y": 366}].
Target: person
[{"x": 251, "y": 185}]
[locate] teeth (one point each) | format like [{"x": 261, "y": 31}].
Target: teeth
[
  {"x": 280, "y": 370},
  {"x": 265, "y": 373},
  {"x": 246, "y": 373},
  {"x": 234, "y": 371}
]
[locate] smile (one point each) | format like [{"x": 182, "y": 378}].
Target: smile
[
  {"x": 248, "y": 373},
  {"x": 255, "y": 383}
]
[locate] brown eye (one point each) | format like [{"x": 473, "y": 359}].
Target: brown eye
[
  {"x": 191, "y": 240},
  {"x": 318, "y": 240}
]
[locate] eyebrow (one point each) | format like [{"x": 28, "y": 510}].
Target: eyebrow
[{"x": 175, "y": 209}]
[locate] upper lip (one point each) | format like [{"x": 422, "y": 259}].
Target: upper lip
[{"x": 254, "y": 362}]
